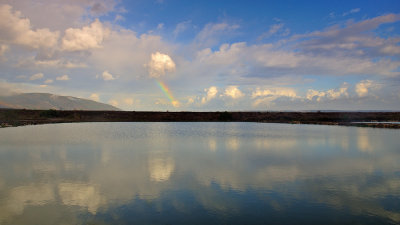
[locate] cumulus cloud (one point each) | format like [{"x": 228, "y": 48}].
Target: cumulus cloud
[
  {"x": 330, "y": 94},
  {"x": 211, "y": 93},
  {"x": 318, "y": 95},
  {"x": 125, "y": 53},
  {"x": 88, "y": 37},
  {"x": 48, "y": 81},
  {"x": 113, "y": 102},
  {"x": 277, "y": 92},
  {"x": 128, "y": 101},
  {"x": 15, "y": 29},
  {"x": 160, "y": 64},
  {"x": 94, "y": 97},
  {"x": 233, "y": 92},
  {"x": 107, "y": 76},
  {"x": 363, "y": 87},
  {"x": 36, "y": 76},
  {"x": 63, "y": 77},
  {"x": 59, "y": 15},
  {"x": 176, "y": 103},
  {"x": 268, "y": 96},
  {"x": 3, "y": 49}
]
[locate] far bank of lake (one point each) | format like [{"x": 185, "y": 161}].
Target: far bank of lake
[{"x": 19, "y": 117}]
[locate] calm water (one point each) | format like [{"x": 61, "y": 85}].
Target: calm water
[{"x": 199, "y": 173}]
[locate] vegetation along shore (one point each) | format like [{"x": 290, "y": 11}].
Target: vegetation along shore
[{"x": 21, "y": 117}]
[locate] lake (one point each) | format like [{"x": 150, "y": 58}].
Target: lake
[{"x": 199, "y": 173}]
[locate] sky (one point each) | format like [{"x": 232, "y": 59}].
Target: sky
[{"x": 205, "y": 55}]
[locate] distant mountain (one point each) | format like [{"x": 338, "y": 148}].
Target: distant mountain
[{"x": 50, "y": 101}]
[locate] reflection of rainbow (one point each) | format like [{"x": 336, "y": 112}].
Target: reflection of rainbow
[{"x": 167, "y": 92}]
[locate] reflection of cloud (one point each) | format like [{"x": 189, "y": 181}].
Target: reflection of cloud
[
  {"x": 267, "y": 158},
  {"x": 161, "y": 168},
  {"x": 275, "y": 144},
  {"x": 232, "y": 143},
  {"x": 357, "y": 195},
  {"x": 35, "y": 194},
  {"x": 212, "y": 144},
  {"x": 363, "y": 141},
  {"x": 80, "y": 194}
]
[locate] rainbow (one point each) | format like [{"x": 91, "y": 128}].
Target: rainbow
[{"x": 167, "y": 93}]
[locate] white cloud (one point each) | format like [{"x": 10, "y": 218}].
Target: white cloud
[
  {"x": 176, "y": 103},
  {"x": 160, "y": 26},
  {"x": 59, "y": 15},
  {"x": 3, "y": 49},
  {"x": 363, "y": 87},
  {"x": 107, "y": 76},
  {"x": 94, "y": 97},
  {"x": 330, "y": 94},
  {"x": 275, "y": 92},
  {"x": 160, "y": 64},
  {"x": 118, "y": 17},
  {"x": 275, "y": 29},
  {"x": 356, "y": 10},
  {"x": 36, "y": 76},
  {"x": 311, "y": 94},
  {"x": 15, "y": 29},
  {"x": 211, "y": 93},
  {"x": 191, "y": 100},
  {"x": 268, "y": 96},
  {"x": 211, "y": 32},
  {"x": 113, "y": 102},
  {"x": 34, "y": 62},
  {"x": 341, "y": 92},
  {"x": 48, "y": 81},
  {"x": 354, "y": 40},
  {"x": 128, "y": 101},
  {"x": 181, "y": 27},
  {"x": 63, "y": 77},
  {"x": 87, "y": 37},
  {"x": 233, "y": 92},
  {"x": 125, "y": 53},
  {"x": 391, "y": 49}
]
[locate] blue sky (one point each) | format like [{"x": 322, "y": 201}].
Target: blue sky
[{"x": 208, "y": 55}]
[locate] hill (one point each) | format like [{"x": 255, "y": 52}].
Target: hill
[{"x": 51, "y": 101}]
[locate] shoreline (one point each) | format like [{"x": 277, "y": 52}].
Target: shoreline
[{"x": 23, "y": 117}]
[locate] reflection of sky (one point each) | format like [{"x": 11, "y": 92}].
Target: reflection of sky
[{"x": 187, "y": 168}]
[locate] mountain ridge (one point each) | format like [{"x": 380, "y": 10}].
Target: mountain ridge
[{"x": 51, "y": 101}]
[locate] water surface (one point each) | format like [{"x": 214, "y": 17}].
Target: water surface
[{"x": 199, "y": 173}]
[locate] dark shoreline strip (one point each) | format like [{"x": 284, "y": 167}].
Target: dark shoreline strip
[{"x": 21, "y": 117}]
